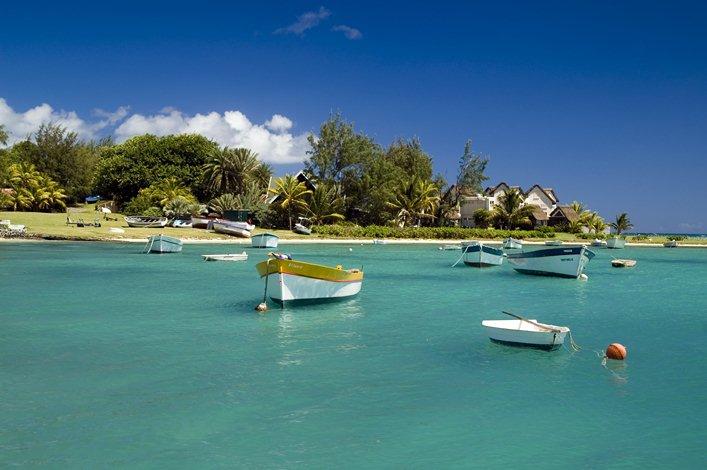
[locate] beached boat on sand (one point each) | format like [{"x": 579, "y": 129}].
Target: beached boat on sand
[
  {"x": 143, "y": 221},
  {"x": 202, "y": 221},
  {"x": 226, "y": 257},
  {"x": 380, "y": 241},
  {"x": 560, "y": 261},
  {"x": 291, "y": 280},
  {"x": 163, "y": 244},
  {"x": 480, "y": 255},
  {"x": 553, "y": 243},
  {"x": 526, "y": 333},
  {"x": 237, "y": 229},
  {"x": 511, "y": 243},
  {"x": 615, "y": 243},
  {"x": 264, "y": 240},
  {"x": 671, "y": 244}
]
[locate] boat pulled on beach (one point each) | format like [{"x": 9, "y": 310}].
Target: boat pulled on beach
[
  {"x": 236, "y": 229},
  {"x": 142, "y": 221}
]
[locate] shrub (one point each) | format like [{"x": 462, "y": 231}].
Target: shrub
[{"x": 451, "y": 233}]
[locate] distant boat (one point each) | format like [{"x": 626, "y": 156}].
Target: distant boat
[
  {"x": 511, "y": 243},
  {"x": 554, "y": 243},
  {"x": 302, "y": 230},
  {"x": 264, "y": 240},
  {"x": 92, "y": 199},
  {"x": 599, "y": 243},
  {"x": 623, "y": 263},
  {"x": 671, "y": 244},
  {"x": 180, "y": 223},
  {"x": 482, "y": 256},
  {"x": 378, "y": 241},
  {"x": 615, "y": 243},
  {"x": 561, "y": 262},
  {"x": 237, "y": 229},
  {"x": 526, "y": 333},
  {"x": 227, "y": 257},
  {"x": 290, "y": 280},
  {"x": 163, "y": 244},
  {"x": 143, "y": 221},
  {"x": 450, "y": 247}
]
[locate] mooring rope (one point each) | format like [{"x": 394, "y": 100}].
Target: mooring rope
[{"x": 462, "y": 256}]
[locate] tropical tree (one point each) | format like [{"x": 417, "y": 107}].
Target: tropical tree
[
  {"x": 621, "y": 224},
  {"x": 596, "y": 223},
  {"x": 181, "y": 207},
  {"x": 413, "y": 201},
  {"x": 230, "y": 169},
  {"x": 291, "y": 196},
  {"x": 482, "y": 218},
  {"x": 510, "y": 212},
  {"x": 32, "y": 190},
  {"x": 223, "y": 203},
  {"x": 253, "y": 199},
  {"x": 325, "y": 204},
  {"x": 471, "y": 171},
  {"x": 585, "y": 216},
  {"x": 3, "y": 135}
]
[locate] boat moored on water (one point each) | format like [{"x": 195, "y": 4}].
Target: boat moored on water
[
  {"x": 292, "y": 280},
  {"x": 511, "y": 243},
  {"x": 553, "y": 243},
  {"x": 142, "y": 221},
  {"x": 264, "y": 240},
  {"x": 615, "y": 243},
  {"x": 226, "y": 257},
  {"x": 450, "y": 247},
  {"x": 480, "y": 255},
  {"x": 380, "y": 241},
  {"x": 623, "y": 263},
  {"x": 567, "y": 261},
  {"x": 526, "y": 333},
  {"x": 163, "y": 244}
]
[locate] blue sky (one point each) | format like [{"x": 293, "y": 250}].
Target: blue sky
[{"x": 604, "y": 101}]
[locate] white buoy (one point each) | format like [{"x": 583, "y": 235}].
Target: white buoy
[
  {"x": 350, "y": 249},
  {"x": 583, "y": 277}
]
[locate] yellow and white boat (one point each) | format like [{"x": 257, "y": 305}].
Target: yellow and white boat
[{"x": 287, "y": 279}]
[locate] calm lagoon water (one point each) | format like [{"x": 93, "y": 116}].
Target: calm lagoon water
[{"x": 113, "y": 358}]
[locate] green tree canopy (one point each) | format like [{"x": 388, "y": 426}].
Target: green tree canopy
[
  {"x": 471, "y": 177},
  {"x": 621, "y": 224},
  {"x": 292, "y": 197},
  {"x": 510, "y": 213},
  {"x": 230, "y": 170}
]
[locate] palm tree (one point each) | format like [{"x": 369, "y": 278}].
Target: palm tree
[
  {"x": 326, "y": 204},
  {"x": 414, "y": 200},
  {"x": 621, "y": 224},
  {"x": 181, "y": 207},
  {"x": 510, "y": 212},
  {"x": 596, "y": 223},
  {"x": 223, "y": 203},
  {"x": 50, "y": 195},
  {"x": 230, "y": 169},
  {"x": 292, "y": 196},
  {"x": 253, "y": 199},
  {"x": 584, "y": 215},
  {"x": 169, "y": 189}
]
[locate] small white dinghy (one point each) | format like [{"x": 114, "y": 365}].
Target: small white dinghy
[
  {"x": 623, "y": 263},
  {"x": 227, "y": 257},
  {"x": 526, "y": 333}
]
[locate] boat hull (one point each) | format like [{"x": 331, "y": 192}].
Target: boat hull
[
  {"x": 264, "y": 240},
  {"x": 615, "y": 243},
  {"x": 227, "y": 257},
  {"x": 482, "y": 256},
  {"x": 146, "y": 222},
  {"x": 164, "y": 244},
  {"x": 523, "y": 335},
  {"x": 512, "y": 244},
  {"x": 566, "y": 262},
  {"x": 302, "y": 230},
  {"x": 228, "y": 229}
]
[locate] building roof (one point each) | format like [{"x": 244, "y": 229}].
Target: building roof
[
  {"x": 549, "y": 192},
  {"x": 565, "y": 212},
  {"x": 539, "y": 214}
]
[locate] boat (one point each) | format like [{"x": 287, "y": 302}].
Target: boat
[
  {"x": 599, "y": 243},
  {"x": 181, "y": 223},
  {"x": 143, "y": 221},
  {"x": 511, "y": 243},
  {"x": 480, "y": 255},
  {"x": 553, "y": 243},
  {"x": 561, "y": 261},
  {"x": 264, "y": 240},
  {"x": 292, "y": 280},
  {"x": 378, "y": 241},
  {"x": 623, "y": 263},
  {"x": 301, "y": 227},
  {"x": 163, "y": 244},
  {"x": 526, "y": 333},
  {"x": 615, "y": 243},
  {"x": 450, "y": 247},
  {"x": 237, "y": 229},
  {"x": 202, "y": 221},
  {"x": 227, "y": 257},
  {"x": 671, "y": 244}
]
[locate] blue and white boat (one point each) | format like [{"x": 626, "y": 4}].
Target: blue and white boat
[
  {"x": 615, "y": 243},
  {"x": 163, "y": 244},
  {"x": 264, "y": 240},
  {"x": 567, "y": 261},
  {"x": 482, "y": 256},
  {"x": 511, "y": 243}
]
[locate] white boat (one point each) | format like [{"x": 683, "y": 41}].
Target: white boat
[
  {"x": 302, "y": 230},
  {"x": 526, "y": 332},
  {"x": 450, "y": 247},
  {"x": 179, "y": 223},
  {"x": 615, "y": 243},
  {"x": 561, "y": 261},
  {"x": 623, "y": 263},
  {"x": 143, "y": 221},
  {"x": 553, "y": 243},
  {"x": 201, "y": 221},
  {"x": 264, "y": 240},
  {"x": 163, "y": 244},
  {"x": 237, "y": 229},
  {"x": 482, "y": 256},
  {"x": 378, "y": 241},
  {"x": 226, "y": 257},
  {"x": 290, "y": 280},
  {"x": 599, "y": 243},
  {"x": 511, "y": 243},
  {"x": 671, "y": 244}
]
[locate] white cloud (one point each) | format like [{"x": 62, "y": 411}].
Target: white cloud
[
  {"x": 349, "y": 32},
  {"x": 272, "y": 140},
  {"x": 305, "y": 21}
]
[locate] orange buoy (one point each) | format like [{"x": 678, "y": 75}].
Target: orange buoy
[{"x": 616, "y": 351}]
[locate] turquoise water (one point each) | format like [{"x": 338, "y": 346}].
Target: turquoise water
[{"x": 112, "y": 358}]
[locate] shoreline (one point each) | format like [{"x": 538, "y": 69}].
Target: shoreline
[{"x": 325, "y": 241}]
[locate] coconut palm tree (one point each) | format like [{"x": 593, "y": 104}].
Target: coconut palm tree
[
  {"x": 253, "y": 199},
  {"x": 584, "y": 214},
  {"x": 230, "y": 169},
  {"x": 50, "y": 196},
  {"x": 168, "y": 190},
  {"x": 292, "y": 196},
  {"x": 413, "y": 201},
  {"x": 510, "y": 212},
  {"x": 223, "y": 203},
  {"x": 596, "y": 223},
  {"x": 621, "y": 224},
  {"x": 325, "y": 204},
  {"x": 181, "y": 207}
]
